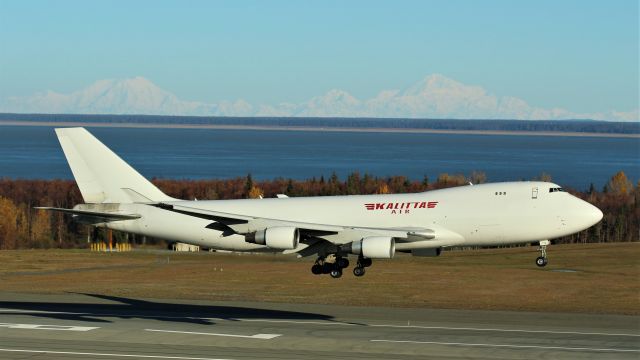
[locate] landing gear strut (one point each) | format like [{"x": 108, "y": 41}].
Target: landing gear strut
[
  {"x": 362, "y": 263},
  {"x": 541, "y": 261}
]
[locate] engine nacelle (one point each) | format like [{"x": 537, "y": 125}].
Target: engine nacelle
[
  {"x": 278, "y": 237},
  {"x": 374, "y": 247}
]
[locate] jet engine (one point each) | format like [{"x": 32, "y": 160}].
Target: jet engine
[
  {"x": 374, "y": 247},
  {"x": 278, "y": 237}
]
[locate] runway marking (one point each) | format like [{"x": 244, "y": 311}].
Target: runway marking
[
  {"x": 504, "y": 330},
  {"x": 18, "y": 311},
  {"x": 256, "y": 336},
  {"x": 46, "y": 327},
  {"x": 108, "y": 354},
  {"x": 507, "y": 346},
  {"x": 437, "y": 327},
  {"x": 300, "y": 322}
]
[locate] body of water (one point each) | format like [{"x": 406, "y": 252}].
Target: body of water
[{"x": 34, "y": 153}]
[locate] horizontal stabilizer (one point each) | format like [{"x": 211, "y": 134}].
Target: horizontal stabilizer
[{"x": 98, "y": 215}]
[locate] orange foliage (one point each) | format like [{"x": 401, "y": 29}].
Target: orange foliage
[{"x": 619, "y": 184}]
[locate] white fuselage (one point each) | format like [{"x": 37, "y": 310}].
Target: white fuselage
[{"x": 478, "y": 215}]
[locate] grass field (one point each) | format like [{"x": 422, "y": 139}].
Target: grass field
[{"x": 584, "y": 278}]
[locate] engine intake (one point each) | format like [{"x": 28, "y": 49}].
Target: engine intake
[
  {"x": 374, "y": 247},
  {"x": 278, "y": 237}
]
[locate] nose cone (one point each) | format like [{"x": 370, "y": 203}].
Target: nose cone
[{"x": 591, "y": 214}]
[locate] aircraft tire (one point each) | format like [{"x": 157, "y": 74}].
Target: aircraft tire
[
  {"x": 326, "y": 268},
  {"x": 358, "y": 271},
  {"x": 343, "y": 263},
  {"x": 316, "y": 269},
  {"x": 541, "y": 261},
  {"x": 336, "y": 273}
]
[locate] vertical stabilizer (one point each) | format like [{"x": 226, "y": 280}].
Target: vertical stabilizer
[{"x": 102, "y": 176}]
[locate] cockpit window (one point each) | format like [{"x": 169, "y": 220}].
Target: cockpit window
[{"x": 556, "y": 190}]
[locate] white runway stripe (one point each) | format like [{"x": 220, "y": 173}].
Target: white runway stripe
[
  {"x": 324, "y": 323},
  {"x": 46, "y": 327},
  {"x": 140, "y": 356},
  {"x": 256, "y": 336},
  {"x": 507, "y": 346},
  {"x": 436, "y": 327}
]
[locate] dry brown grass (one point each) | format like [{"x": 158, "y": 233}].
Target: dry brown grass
[{"x": 606, "y": 278}]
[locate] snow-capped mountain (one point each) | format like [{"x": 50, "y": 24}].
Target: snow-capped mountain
[
  {"x": 435, "y": 96},
  {"x": 127, "y": 96}
]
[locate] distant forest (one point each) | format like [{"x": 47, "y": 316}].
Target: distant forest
[
  {"x": 579, "y": 126},
  {"x": 23, "y": 227}
]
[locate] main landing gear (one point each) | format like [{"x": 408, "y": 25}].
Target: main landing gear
[
  {"x": 541, "y": 261},
  {"x": 333, "y": 265},
  {"x": 360, "y": 265}
]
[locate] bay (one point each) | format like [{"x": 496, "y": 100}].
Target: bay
[{"x": 33, "y": 152}]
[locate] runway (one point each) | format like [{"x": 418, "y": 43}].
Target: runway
[{"x": 86, "y": 326}]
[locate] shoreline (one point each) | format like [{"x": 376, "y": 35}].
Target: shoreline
[{"x": 314, "y": 129}]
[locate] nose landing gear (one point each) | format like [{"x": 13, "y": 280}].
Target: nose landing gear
[{"x": 541, "y": 261}]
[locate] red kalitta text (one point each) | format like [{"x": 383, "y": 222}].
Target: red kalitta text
[{"x": 403, "y": 207}]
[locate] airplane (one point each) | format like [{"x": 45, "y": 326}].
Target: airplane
[{"x": 331, "y": 228}]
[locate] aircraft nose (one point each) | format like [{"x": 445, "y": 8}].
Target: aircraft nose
[{"x": 591, "y": 214}]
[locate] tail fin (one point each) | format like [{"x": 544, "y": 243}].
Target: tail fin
[{"x": 102, "y": 176}]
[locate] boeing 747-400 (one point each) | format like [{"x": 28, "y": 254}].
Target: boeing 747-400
[{"x": 330, "y": 228}]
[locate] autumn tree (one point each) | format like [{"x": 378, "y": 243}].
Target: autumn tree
[
  {"x": 41, "y": 229},
  {"x": 255, "y": 193},
  {"x": 446, "y": 180},
  {"x": 8, "y": 224},
  {"x": 383, "y": 188},
  {"x": 545, "y": 177},
  {"x": 619, "y": 184},
  {"x": 478, "y": 177}
]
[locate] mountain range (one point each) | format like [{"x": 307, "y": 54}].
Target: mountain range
[{"x": 435, "y": 96}]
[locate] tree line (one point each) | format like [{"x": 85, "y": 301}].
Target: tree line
[
  {"x": 23, "y": 227},
  {"x": 584, "y": 126}
]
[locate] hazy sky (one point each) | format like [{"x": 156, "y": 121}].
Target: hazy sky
[{"x": 578, "y": 55}]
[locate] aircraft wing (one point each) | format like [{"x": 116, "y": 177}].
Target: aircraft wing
[
  {"x": 243, "y": 224},
  {"x": 336, "y": 234}
]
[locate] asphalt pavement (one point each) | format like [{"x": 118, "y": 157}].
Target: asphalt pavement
[{"x": 91, "y": 326}]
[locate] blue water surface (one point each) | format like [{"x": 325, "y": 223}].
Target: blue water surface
[{"x": 34, "y": 152}]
